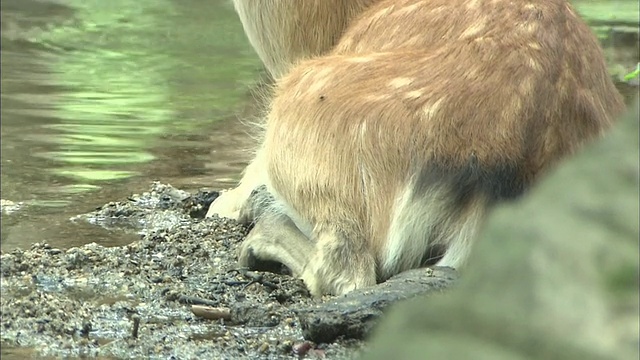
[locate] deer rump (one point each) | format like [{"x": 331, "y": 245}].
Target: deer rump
[{"x": 386, "y": 153}]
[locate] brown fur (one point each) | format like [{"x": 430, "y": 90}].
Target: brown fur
[
  {"x": 282, "y": 32},
  {"x": 423, "y": 115}
]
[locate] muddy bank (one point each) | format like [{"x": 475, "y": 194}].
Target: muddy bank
[{"x": 138, "y": 300}]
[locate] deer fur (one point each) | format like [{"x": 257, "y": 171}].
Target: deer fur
[
  {"x": 284, "y": 32},
  {"x": 395, "y": 129}
]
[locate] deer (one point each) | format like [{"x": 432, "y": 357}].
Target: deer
[{"x": 396, "y": 126}]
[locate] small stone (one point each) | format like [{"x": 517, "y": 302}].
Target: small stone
[
  {"x": 301, "y": 349},
  {"x": 286, "y": 346}
]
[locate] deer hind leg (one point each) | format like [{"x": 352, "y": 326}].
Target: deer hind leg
[
  {"x": 459, "y": 243},
  {"x": 231, "y": 202},
  {"x": 339, "y": 263},
  {"x": 432, "y": 224}
]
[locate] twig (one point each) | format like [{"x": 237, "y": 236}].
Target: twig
[
  {"x": 192, "y": 300},
  {"x": 211, "y": 313},
  {"x": 136, "y": 326}
]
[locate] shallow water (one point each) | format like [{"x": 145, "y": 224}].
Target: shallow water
[{"x": 99, "y": 98}]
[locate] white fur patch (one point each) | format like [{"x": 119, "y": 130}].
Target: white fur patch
[{"x": 411, "y": 232}]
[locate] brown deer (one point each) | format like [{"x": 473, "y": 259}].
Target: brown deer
[{"x": 396, "y": 125}]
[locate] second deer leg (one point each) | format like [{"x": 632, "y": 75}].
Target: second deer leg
[
  {"x": 339, "y": 264},
  {"x": 276, "y": 239}
]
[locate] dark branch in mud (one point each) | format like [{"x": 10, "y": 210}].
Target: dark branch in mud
[
  {"x": 193, "y": 300},
  {"x": 355, "y": 314}
]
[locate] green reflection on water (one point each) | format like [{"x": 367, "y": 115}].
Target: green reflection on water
[
  {"x": 606, "y": 16},
  {"x": 93, "y": 175},
  {"x": 621, "y": 11},
  {"x": 116, "y": 91},
  {"x": 130, "y": 72}
]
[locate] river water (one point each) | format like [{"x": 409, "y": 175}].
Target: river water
[{"x": 99, "y": 98}]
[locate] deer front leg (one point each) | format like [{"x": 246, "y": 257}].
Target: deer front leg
[
  {"x": 230, "y": 202},
  {"x": 275, "y": 239}
]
